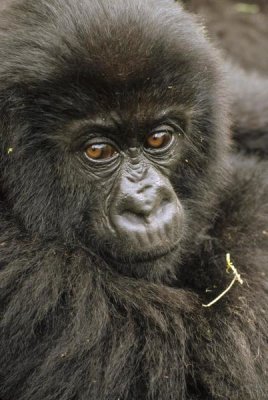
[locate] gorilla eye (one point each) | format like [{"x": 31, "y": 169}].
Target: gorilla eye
[
  {"x": 158, "y": 140},
  {"x": 100, "y": 151}
]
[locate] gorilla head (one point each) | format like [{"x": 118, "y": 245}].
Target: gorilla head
[
  {"x": 119, "y": 202},
  {"x": 117, "y": 123}
]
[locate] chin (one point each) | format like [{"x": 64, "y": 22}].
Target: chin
[{"x": 155, "y": 266}]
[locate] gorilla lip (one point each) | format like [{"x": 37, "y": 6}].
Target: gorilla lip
[{"x": 146, "y": 256}]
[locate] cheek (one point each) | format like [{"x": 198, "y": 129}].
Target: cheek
[{"x": 95, "y": 225}]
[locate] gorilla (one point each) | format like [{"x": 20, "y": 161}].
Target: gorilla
[
  {"x": 123, "y": 202},
  {"x": 225, "y": 21},
  {"x": 246, "y": 22}
]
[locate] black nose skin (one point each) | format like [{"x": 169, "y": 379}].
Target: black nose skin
[{"x": 146, "y": 210}]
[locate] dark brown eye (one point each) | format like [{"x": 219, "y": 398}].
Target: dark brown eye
[
  {"x": 100, "y": 151},
  {"x": 158, "y": 140}
]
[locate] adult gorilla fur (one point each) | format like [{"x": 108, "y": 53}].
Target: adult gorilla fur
[
  {"x": 72, "y": 326},
  {"x": 227, "y": 20},
  {"x": 249, "y": 85}
]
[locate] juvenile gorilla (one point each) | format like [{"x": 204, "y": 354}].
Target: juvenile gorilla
[{"x": 120, "y": 198}]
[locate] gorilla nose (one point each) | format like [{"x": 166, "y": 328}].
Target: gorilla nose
[
  {"x": 147, "y": 213},
  {"x": 144, "y": 207}
]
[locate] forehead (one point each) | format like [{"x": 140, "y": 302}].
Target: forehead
[
  {"x": 126, "y": 107},
  {"x": 129, "y": 83},
  {"x": 129, "y": 96},
  {"x": 130, "y": 59}
]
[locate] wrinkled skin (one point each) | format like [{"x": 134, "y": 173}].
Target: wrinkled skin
[{"x": 120, "y": 197}]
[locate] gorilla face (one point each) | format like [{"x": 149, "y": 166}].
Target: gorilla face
[
  {"x": 117, "y": 130},
  {"x": 138, "y": 217}
]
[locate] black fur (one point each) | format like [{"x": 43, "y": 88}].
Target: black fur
[
  {"x": 249, "y": 110},
  {"x": 72, "y": 328}
]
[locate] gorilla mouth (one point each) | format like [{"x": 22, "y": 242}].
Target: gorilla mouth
[{"x": 145, "y": 257}]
